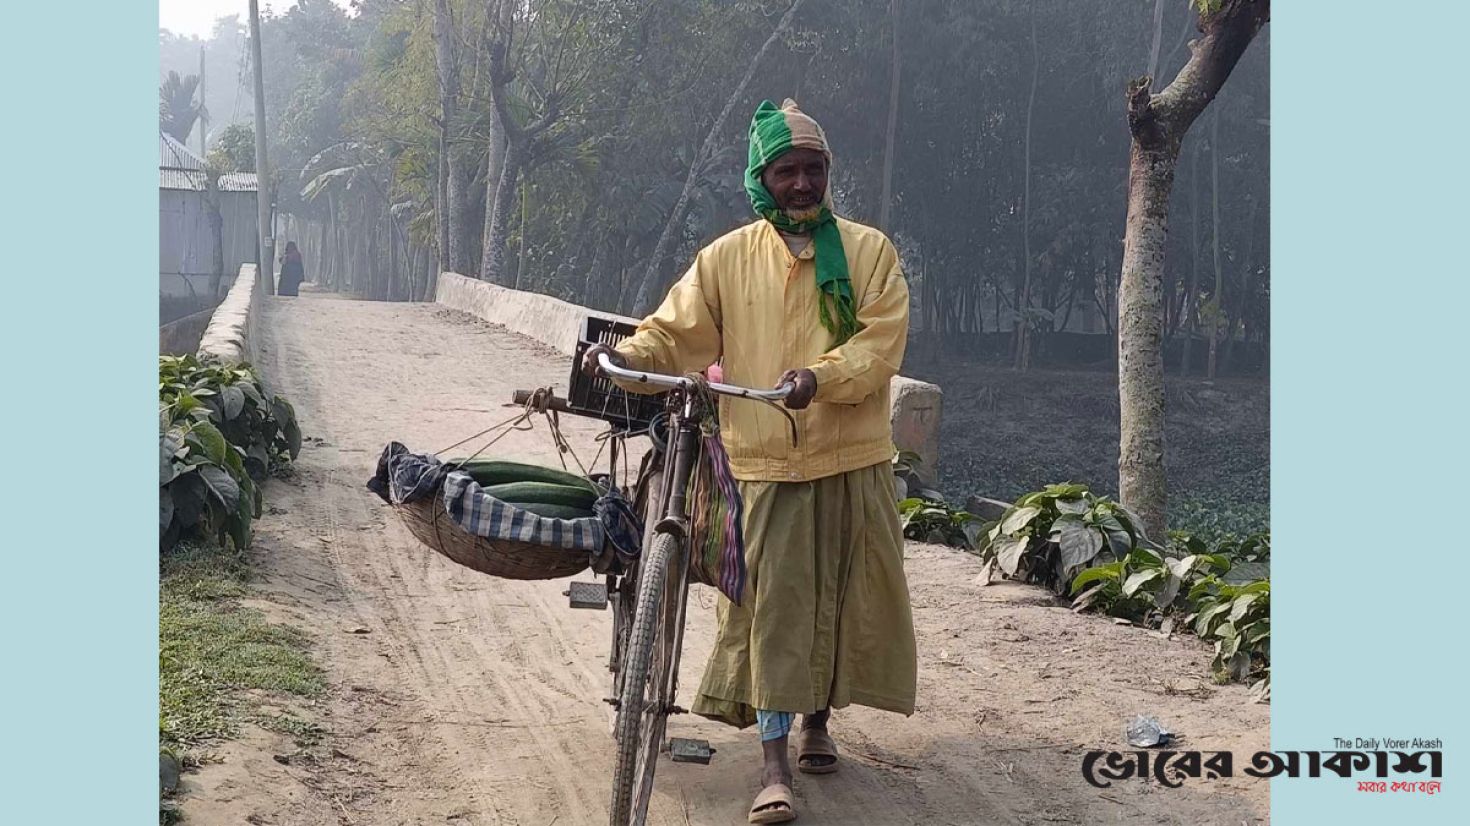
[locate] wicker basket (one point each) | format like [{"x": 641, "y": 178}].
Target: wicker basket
[{"x": 428, "y": 522}]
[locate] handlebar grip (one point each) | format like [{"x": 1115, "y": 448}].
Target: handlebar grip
[
  {"x": 557, "y": 403},
  {"x": 613, "y": 371}
]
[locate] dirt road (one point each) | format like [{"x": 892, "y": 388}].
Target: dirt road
[{"x": 458, "y": 698}]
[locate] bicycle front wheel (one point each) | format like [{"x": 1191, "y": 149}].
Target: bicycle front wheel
[{"x": 643, "y": 706}]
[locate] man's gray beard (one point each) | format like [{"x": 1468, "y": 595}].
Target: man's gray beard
[{"x": 799, "y": 215}]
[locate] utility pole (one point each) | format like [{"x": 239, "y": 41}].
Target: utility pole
[
  {"x": 262, "y": 169},
  {"x": 203, "y": 111}
]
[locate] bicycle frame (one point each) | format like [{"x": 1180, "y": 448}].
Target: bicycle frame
[
  {"x": 655, "y": 668},
  {"x": 678, "y": 466},
  {"x": 651, "y": 602}
]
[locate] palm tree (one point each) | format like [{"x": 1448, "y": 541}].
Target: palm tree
[{"x": 177, "y": 106}]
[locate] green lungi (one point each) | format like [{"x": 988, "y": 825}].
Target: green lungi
[{"x": 825, "y": 621}]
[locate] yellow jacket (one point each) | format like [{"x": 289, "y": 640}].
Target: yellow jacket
[{"x": 747, "y": 300}]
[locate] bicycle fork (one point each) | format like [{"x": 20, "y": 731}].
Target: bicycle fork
[{"x": 683, "y": 459}]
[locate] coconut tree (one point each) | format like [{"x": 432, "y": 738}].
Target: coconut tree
[{"x": 178, "y": 105}]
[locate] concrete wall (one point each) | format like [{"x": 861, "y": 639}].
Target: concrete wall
[
  {"x": 548, "y": 320},
  {"x": 916, "y": 404},
  {"x": 230, "y": 336},
  {"x": 183, "y": 335},
  {"x": 186, "y": 246}
]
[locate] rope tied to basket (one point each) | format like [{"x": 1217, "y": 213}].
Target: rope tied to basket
[{"x": 538, "y": 402}]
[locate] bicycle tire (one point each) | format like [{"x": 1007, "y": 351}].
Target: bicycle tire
[
  {"x": 641, "y": 723},
  {"x": 649, "y": 502}
]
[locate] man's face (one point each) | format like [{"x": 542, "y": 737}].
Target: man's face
[{"x": 797, "y": 180}]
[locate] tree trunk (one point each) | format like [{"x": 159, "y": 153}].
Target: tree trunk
[
  {"x": 495, "y": 269},
  {"x": 523, "y": 251},
  {"x": 520, "y": 141},
  {"x": 453, "y": 232},
  {"x": 441, "y": 200},
  {"x": 1067, "y": 313},
  {"x": 494, "y": 172},
  {"x": 996, "y": 295},
  {"x": 1237, "y": 313},
  {"x": 500, "y": 11},
  {"x": 931, "y": 309},
  {"x": 1156, "y": 44},
  {"x": 1158, "y": 39},
  {"x": 1191, "y": 291},
  {"x": 1218, "y": 298},
  {"x": 322, "y": 276},
  {"x": 333, "y": 251},
  {"x": 396, "y": 292},
  {"x": 1140, "y": 356},
  {"x": 885, "y": 204},
  {"x": 1157, "y": 124},
  {"x": 1023, "y": 305},
  {"x": 652, "y": 275},
  {"x": 216, "y": 232}
]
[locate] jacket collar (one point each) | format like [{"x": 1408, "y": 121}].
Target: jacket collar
[{"x": 773, "y": 236}]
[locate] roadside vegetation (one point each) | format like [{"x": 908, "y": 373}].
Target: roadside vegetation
[
  {"x": 221, "y": 664},
  {"x": 1091, "y": 549}
]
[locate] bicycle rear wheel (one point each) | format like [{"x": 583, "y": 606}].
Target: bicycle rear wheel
[{"x": 643, "y": 704}]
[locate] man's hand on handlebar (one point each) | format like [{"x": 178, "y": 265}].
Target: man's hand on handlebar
[
  {"x": 803, "y": 387},
  {"x": 590, "y": 366},
  {"x": 802, "y": 383}
]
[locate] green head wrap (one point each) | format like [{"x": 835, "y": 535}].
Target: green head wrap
[{"x": 772, "y": 133}]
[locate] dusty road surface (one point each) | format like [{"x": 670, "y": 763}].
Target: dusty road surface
[{"x": 457, "y": 698}]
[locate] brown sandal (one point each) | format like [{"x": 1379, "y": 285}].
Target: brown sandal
[
  {"x": 815, "y": 743},
  {"x": 775, "y": 804}
]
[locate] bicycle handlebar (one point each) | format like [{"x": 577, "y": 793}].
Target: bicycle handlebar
[
  {"x": 523, "y": 397},
  {"x": 671, "y": 382}
]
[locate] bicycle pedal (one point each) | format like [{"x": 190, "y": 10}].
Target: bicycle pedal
[
  {"x": 592, "y": 595},
  {"x": 683, "y": 750}
]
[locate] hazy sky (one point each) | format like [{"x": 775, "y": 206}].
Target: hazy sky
[{"x": 196, "y": 17}]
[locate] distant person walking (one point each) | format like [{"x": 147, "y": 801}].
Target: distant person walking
[{"x": 292, "y": 270}]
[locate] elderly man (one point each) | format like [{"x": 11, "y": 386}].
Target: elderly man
[{"x": 806, "y": 297}]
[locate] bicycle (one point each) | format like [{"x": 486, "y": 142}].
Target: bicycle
[{"x": 650, "y": 594}]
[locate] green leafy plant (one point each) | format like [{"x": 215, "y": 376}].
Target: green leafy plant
[
  {"x": 931, "y": 520},
  {"x": 1159, "y": 589},
  {"x": 1144, "y": 583},
  {"x": 233, "y": 398},
  {"x": 203, "y": 486},
  {"x": 1255, "y": 547},
  {"x": 908, "y": 482},
  {"x": 925, "y": 515},
  {"x": 219, "y": 436},
  {"x": 1049, "y": 536},
  {"x": 1237, "y": 620}
]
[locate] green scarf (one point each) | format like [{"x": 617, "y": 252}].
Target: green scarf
[{"x": 771, "y": 134}]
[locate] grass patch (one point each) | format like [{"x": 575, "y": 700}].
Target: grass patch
[
  {"x": 212, "y": 649},
  {"x": 303, "y": 733}
]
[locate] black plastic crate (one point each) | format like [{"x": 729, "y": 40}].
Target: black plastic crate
[{"x": 599, "y": 397}]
